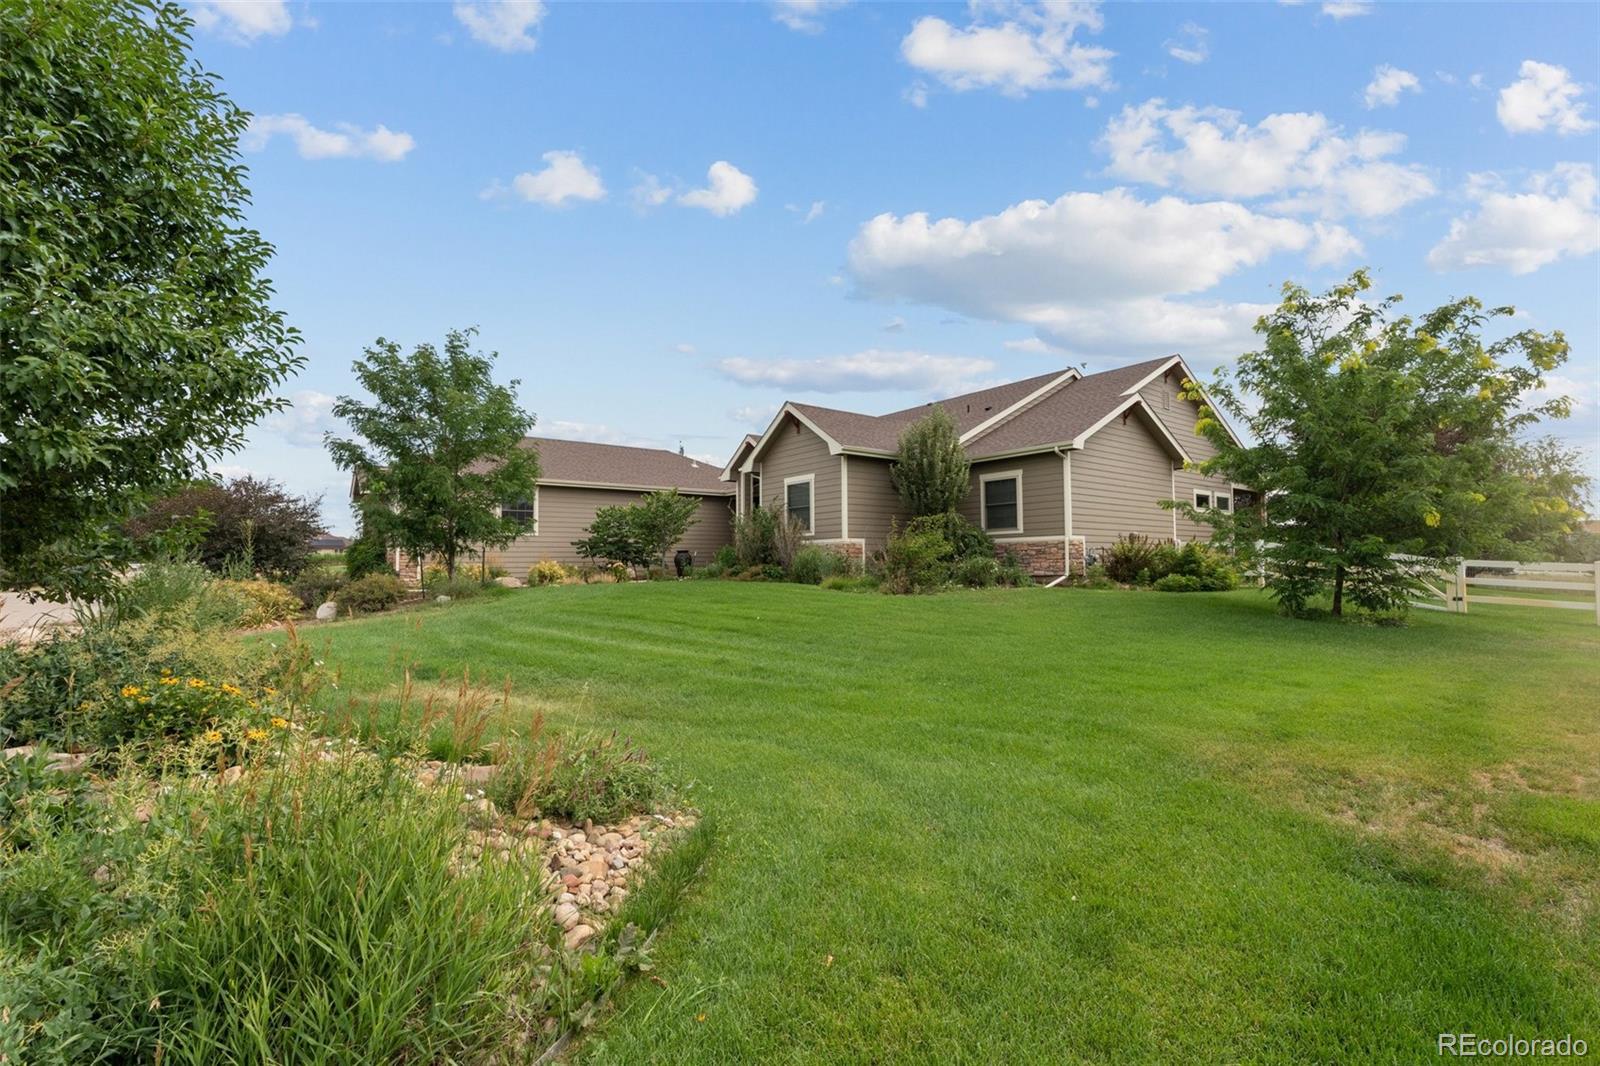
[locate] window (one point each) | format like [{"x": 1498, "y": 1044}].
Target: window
[
  {"x": 525, "y": 512},
  {"x": 1224, "y": 502},
  {"x": 755, "y": 491},
  {"x": 1202, "y": 501},
  {"x": 1002, "y": 500},
  {"x": 797, "y": 499}
]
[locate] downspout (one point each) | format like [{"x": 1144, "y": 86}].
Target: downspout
[{"x": 1066, "y": 516}]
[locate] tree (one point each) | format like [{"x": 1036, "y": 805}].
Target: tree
[
  {"x": 642, "y": 533},
  {"x": 1374, "y": 436},
  {"x": 137, "y": 340},
  {"x": 440, "y": 449},
  {"x": 248, "y": 521},
  {"x": 931, "y": 472},
  {"x": 661, "y": 519}
]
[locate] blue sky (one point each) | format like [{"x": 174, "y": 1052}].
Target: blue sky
[{"x": 667, "y": 219}]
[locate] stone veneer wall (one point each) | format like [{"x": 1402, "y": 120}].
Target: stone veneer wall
[
  {"x": 1039, "y": 556},
  {"x": 1077, "y": 549}
]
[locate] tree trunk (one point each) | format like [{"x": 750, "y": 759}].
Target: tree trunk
[{"x": 1338, "y": 590}]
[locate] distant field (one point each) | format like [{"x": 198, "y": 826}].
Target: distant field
[{"x": 1073, "y": 825}]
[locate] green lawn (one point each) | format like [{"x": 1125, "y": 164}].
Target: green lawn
[{"x": 1074, "y": 825}]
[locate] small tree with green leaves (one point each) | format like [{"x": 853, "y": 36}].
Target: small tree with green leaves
[
  {"x": 662, "y": 519},
  {"x": 438, "y": 449},
  {"x": 1375, "y": 435},
  {"x": 931, "y": 472},
  {"x": 613, "y": 536},
  {"x": 137, "y": 336}
]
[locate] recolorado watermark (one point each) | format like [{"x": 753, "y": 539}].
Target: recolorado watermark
[{"x": 1472, "y": 1046}]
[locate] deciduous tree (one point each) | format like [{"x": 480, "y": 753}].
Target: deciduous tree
[
  {"x": 253, "y": 522},
  {"x": 438, "y": 449},
  {"x": 931, "y": 471}
]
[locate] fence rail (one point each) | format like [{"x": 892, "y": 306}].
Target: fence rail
[{"x": 1451, "y": 586}]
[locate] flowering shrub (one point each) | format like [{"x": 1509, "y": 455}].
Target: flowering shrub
[
  {"x": 547, "y": 572},
  {"x": 181, "y": 707},
  {"x": 375, "y": 592},
  {"x": 265, "y": 602}
]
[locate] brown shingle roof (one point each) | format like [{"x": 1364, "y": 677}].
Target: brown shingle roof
[
  {"x": 971, "y": 408},
  {"x": 588, "y": 463},
  {"x": 1063, "y": 414}
]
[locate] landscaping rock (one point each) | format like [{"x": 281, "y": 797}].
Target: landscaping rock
[
  {"x": 567, "y": 915},
  {"x": 441, "y": 598},
  {"x": 328, "y": 612},
  {"x": 578, "y": 936},
  {"x": 231, "y": 775},
  {"x": 473, "y": 775},
  {"x": 509, "y": 582}
]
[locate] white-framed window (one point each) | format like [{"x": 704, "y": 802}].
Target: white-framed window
[
  {"x": 525, "y": 512},
  {"x": 1000, "y": 501},
  {"x": 1202, "y": 500},
  {"x": 755, "y": 490},
  {"x": 797, "y": 493},
  {"x": 1224, "y": 502}
]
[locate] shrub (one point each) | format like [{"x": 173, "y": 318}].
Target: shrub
[
  {"x": 375, "y": 592},
  {"x": 603, "y": 778},
  {"x": 316, "y": 585},
  {"x": 1178, "y": 583},
  {"x": 930, "y": 471},
  {"x": 811, "y": 564},
  {"x": 851, "y": 582},
  {"x": 1012, "y": 573},
  {"x": 251, "y": 522},
  {"x": 460, "y": 587},
  {"x": 618, "y": 572},
  {"x": 977, "y": 571},
  {"x": 726, "y": 557},
  {"x": 547, "y": 572},
  {"x": 366, "y": 555},
  {"x": 1134, "y": 555},
  {"x": 268, "y": 601},
  {"x": 755, "y": 538},
  {"x": 916, "y": 562},
  {"x": 967, "y": 541}
]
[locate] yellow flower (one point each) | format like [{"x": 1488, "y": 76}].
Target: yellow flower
[
  {"x": 195, "y": 682},
  {"x": 255, "y": 705},
  {"x": 232, "y": 690},
  {"x": 279, "y": 723},
  {"x": 169, "y": 681},
  {"x": 212, "y": 736},
  {"x": 166, "y": 671},
  {"x": 144, "y": 699},
  {"x": 130, "y": 690},
  {"x": 255, "y": 734},
  {"x": 1431, "y": 518},
  {"x": 269, "y": 690}
]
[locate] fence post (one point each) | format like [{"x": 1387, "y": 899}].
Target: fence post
[
  {"x": 1596, "y": 566},
  {"x": 1460, "y": 606}
]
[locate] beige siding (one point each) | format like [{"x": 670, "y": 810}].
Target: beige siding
[
  {"x": 874, "y": 503},
  {"x": 1043, "y": 498},
  {"x": 564, "y": 512},
  {"x": 1179, "y": 416},
  {"x": 1119, "y": 478},
  {"x": 795, "y": 451}
]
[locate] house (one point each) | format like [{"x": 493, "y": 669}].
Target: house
[
  {"x": 577, "y": 478},
  {"x": 328, "y": 542},
  {"x": 1062, "y": 465}
]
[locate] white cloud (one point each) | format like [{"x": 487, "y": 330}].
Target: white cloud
[
  {"x": 345, "y": 141},
  {"x": 895, "y": 324},
  {"x": 1193, "y": 44},
  {"x": 804, "y": 16},
  {"x": 303, "y": 423},
  {"x": 648, "y": 192},
  {"x": 598, "y": 432},
  {"x": 873, "y": 370},
  {"x": 728, "y": 190},
  {"x": 1088, "y": 267},
  {"x": 916, "y": 95},
  {"x": 1031, "y": 345},
  {"x": 565, "y": 177},
  {"x": 1345, "y": 9},
  {"x": 1544, "y": 97},
  {"x": 242, "y": 21},
  {"x": 810, "y": 214},
  {"x": 1387, "y": 84},
  {"x": 504, "y": 25},
  {"x": 685, "y": 349},
  {"x": 756, "y": 414},
  {"x": 1301, "y": 157},
  {"x": 1555, "y": 218},
  {"x": 1014, "y": 47}
]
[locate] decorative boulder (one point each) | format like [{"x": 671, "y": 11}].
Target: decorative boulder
[
  {"x": 328, "y": 612},
  {"x": 509, "y": 582},
  {"x": 441, "y": 598}
]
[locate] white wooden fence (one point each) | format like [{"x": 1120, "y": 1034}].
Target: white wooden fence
[{"x": 1447, "y": 590}]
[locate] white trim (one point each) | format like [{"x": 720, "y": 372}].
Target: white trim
[
  {"x": 983, "y": 506},
  {"x": 718, "y": 493},
  {"x": 829, "y": 541},
  {"x": 844, "y": 497},
  {"x": 1174, "y": 496},
  {"x": 1032, "y": 449},
  {"x": 1070, "y": 374},
  {"x": 811, "y": 499},
  {"x": 1126, "y": 406},
  {"x": 1066, "y": 479},
  {"x": 533, "y": 527},
  {"x": 728, "y": 470},
  {"x": 1041, "y": 539},
  {"x": 834, "y": 447},
  {"x": 1177, "y": 360},
  {"x": 1209, "y": 494}
]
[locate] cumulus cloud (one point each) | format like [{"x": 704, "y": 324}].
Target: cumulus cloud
[
  {"x": 728, "y": 190},
  {"x": 804, "y": 16},
  {"x": 1347, "y": 9},
  {"x": 1088, "y": 266},
  {"x": 1016, "y": 48},
  {"x": 1302, "y": 158},
  {"x": 303, "y": 423},
  {"x": 873, "y": 370},
  {"x": 344, "y": 141},
  {"x": 504, "y": 25},
  {"x": 1030, "y": 345},
  {"x": 242, "y": 21},
  {"x": 1192, "y": 45},
  {"x": 1543, "y": 97},
  {"x": 1553, "y": 218},
  {"x": 566, "y": 177},
  {"x": 755, "y": 414},
  {"x": 1387, "y": 84}
]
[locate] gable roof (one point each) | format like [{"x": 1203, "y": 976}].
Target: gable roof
[
  {"x": 739, "y": 453},
  {"x": 581, "y": 462},
  {"x": 1063, "y": 416}
]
